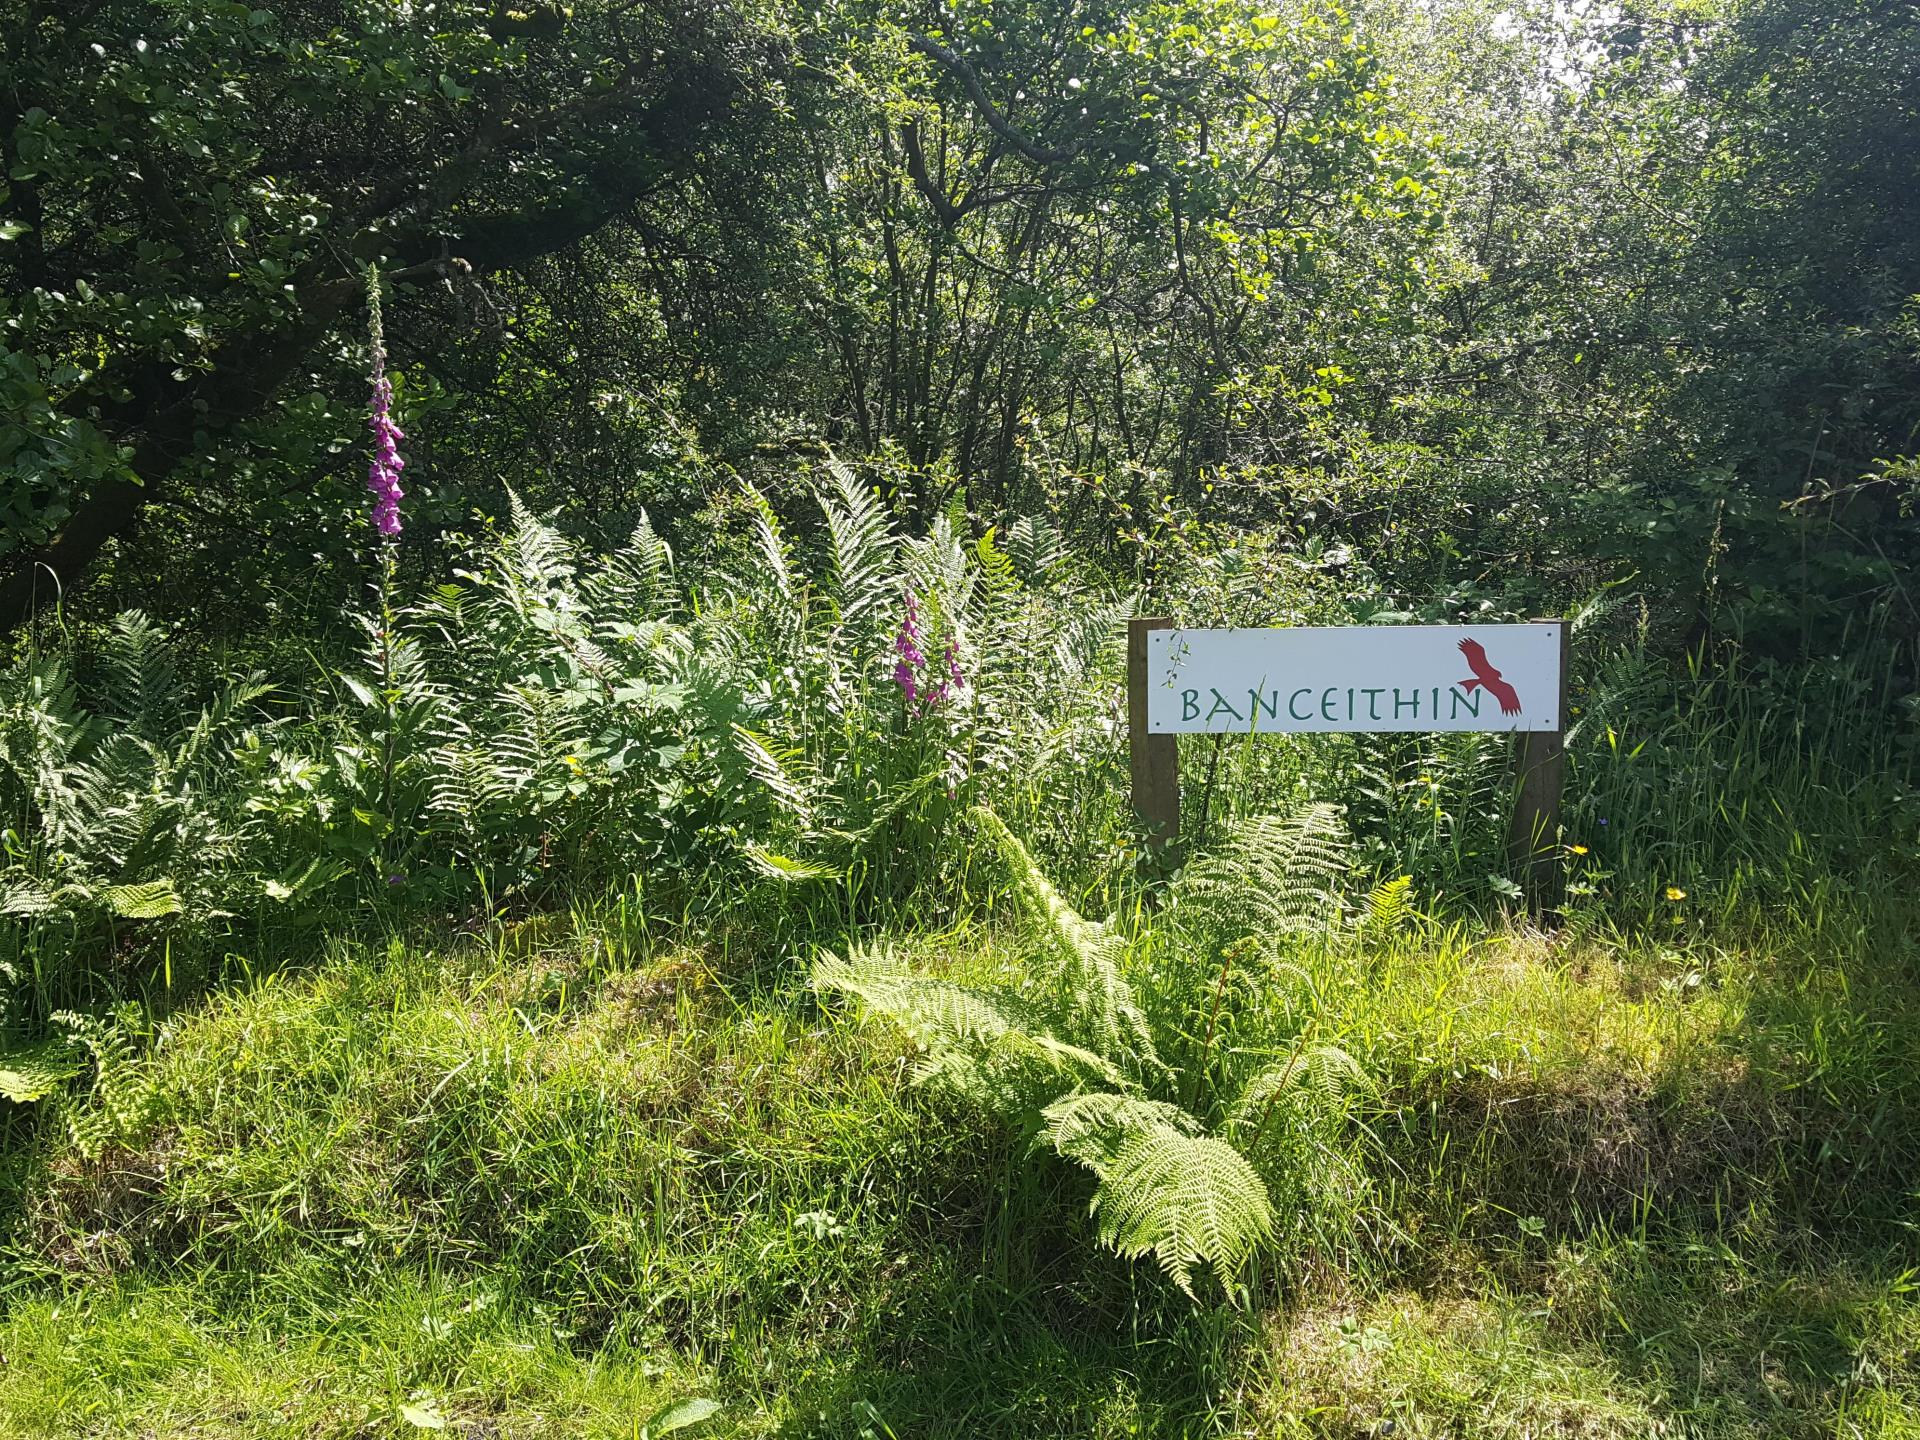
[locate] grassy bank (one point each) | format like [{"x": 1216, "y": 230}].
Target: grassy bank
[{"x": 552, "y": 1180}]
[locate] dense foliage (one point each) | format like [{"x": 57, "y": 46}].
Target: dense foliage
[{"x": 1515, "y": 301}]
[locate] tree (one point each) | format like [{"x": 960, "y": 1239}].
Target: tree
[
  {"x": 1088, "y": 230},
  {"x": 193, "y": 188}
]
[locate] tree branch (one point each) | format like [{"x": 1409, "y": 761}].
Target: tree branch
[{"x": 998, "y": 123}]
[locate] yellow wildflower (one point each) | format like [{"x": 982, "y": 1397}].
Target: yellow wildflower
[
  {"x": 1578, "y": 849},
  {"x": 1674, "y": 892}
]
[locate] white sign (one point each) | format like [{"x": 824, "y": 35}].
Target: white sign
[{"x": 1360, "y": 677}]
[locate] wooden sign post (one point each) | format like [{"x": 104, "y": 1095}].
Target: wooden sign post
[
  {"x": 1155, "y": 759},
  {"x": 1540, "y": 773},
  {"x": 1359, "y": 678}
]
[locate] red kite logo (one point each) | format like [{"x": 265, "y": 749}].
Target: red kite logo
[{"x": 1485, "y": 674}]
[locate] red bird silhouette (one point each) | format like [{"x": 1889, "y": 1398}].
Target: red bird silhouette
[{"x": 1485, "y": 674}]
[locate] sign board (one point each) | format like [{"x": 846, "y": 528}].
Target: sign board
[{"x": 1500, "y": 678}]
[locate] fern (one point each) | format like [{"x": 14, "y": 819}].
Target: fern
[
  {"x": 1320, "y": 1077},
  {"x": 1036, "y": 547},
  {"x": 1182, "y": 1198},
  {"x": 1105, "y": 1014},
  {"x": 785, "y": 868},
  {"x": 953, "y": 1021},
  {"x": 772, "y": 544},
  {"x": 637, "y": 579},
  {"x": 1083, "y": 637},
  {"x": 1165, "y": 1186},
  {"x": 34, "y": 1072},
  {"x": 122, "y": 1092},
  {"x": 143, "y": 689},
  {"x": 1276, "y": 875},
  {"x": 131, "y": 813},
  {"x": 997, "y": 572},
  {"x": 861, "y": 536},
  {"x": 1388, "y": 908},
  {"x": 148, "y": 900},
  {"x": 1090, "y": 1127},
  {"x": 779, "y": 771},
  {"x": 535, "y": 565}
]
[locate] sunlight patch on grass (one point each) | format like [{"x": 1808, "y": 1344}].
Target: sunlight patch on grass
[
  {"x": 143, "y": 1360},
  {"x": 1415, "y": 1369}
]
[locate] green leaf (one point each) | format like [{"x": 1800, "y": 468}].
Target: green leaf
[
  {"x": 149, "y": 900},
  {"x": 1181, "y": 1198},
  {"x": 785, "y": 867},
  {"x": 13, "y": 229},
  {"x": 681, "y": 1415},
  {"x": 35, "y": 1073},
  {"x": 424, "y": 1416}
]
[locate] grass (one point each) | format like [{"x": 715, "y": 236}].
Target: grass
[{"x": 550, "y": 1182}]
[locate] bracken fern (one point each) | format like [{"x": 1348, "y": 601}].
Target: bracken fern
[{"x": 1069, "y": 1050}]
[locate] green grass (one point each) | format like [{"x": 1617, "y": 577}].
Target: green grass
[{"x": 550, "y": 1182}]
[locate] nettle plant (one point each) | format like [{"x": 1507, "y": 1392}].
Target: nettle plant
[{"x": 1179, "y": 1064}]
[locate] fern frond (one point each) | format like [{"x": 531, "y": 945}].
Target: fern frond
[
  {"x": 1104, "y": 1012},
  {"x": 1075, "y": 1063},
  {"x": 771, "y": 542},
  {"x": 25, "y": 894},
  {"x": 785, "y": 867},
  {"x": 539, "y": 729},
  {"x": 460, "y": 785},
  {"x": 1089, "y": 1127},
  {"x": 1320, "y": 1076},
  {"x": 937, "y": 1013},
  {"x": 1184, "y": 1199},
  {"x": 1085, "y": 635},
  {"x": 996, "y": 566},
  {"x": 35, "y": 1072},
  {"x": 1389, "y": 906},
  {"x": 775, "y": 769},
  {"x": 944, "y": 1017},
  {"x": 148, "y": 900},
  {"x": 939, "y": 569},
  {"x": 1035, "y": 546},
  {"x": 861, "y": 536},
  {"x": 535, "y": 559},
  {"x": 122, "y": 1092},
  {"x": 216, "y": 720},
  {"x": 44, "y": 735},
  {"x": 143, "y": 682},
  {"x": 1275, "y": 875},
  {"x": 636, "y": 580}
]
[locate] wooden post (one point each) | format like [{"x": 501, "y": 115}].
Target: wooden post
[
  {"x": 1540, "y": 776},
  {"x": 1155, "y": 759}
]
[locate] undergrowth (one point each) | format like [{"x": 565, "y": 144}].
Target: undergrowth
[
  {"x": 563, "y": 1175},
  {"x": 444, "y": 1055}
]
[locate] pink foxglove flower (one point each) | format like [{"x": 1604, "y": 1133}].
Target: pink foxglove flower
[
  {"x": 922, "y": 685},
  {"x": 383, "y": 475},
  {"x": 906, "y": 645}
]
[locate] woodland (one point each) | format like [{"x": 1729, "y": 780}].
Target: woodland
[{"x": 567, "y": 864}]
